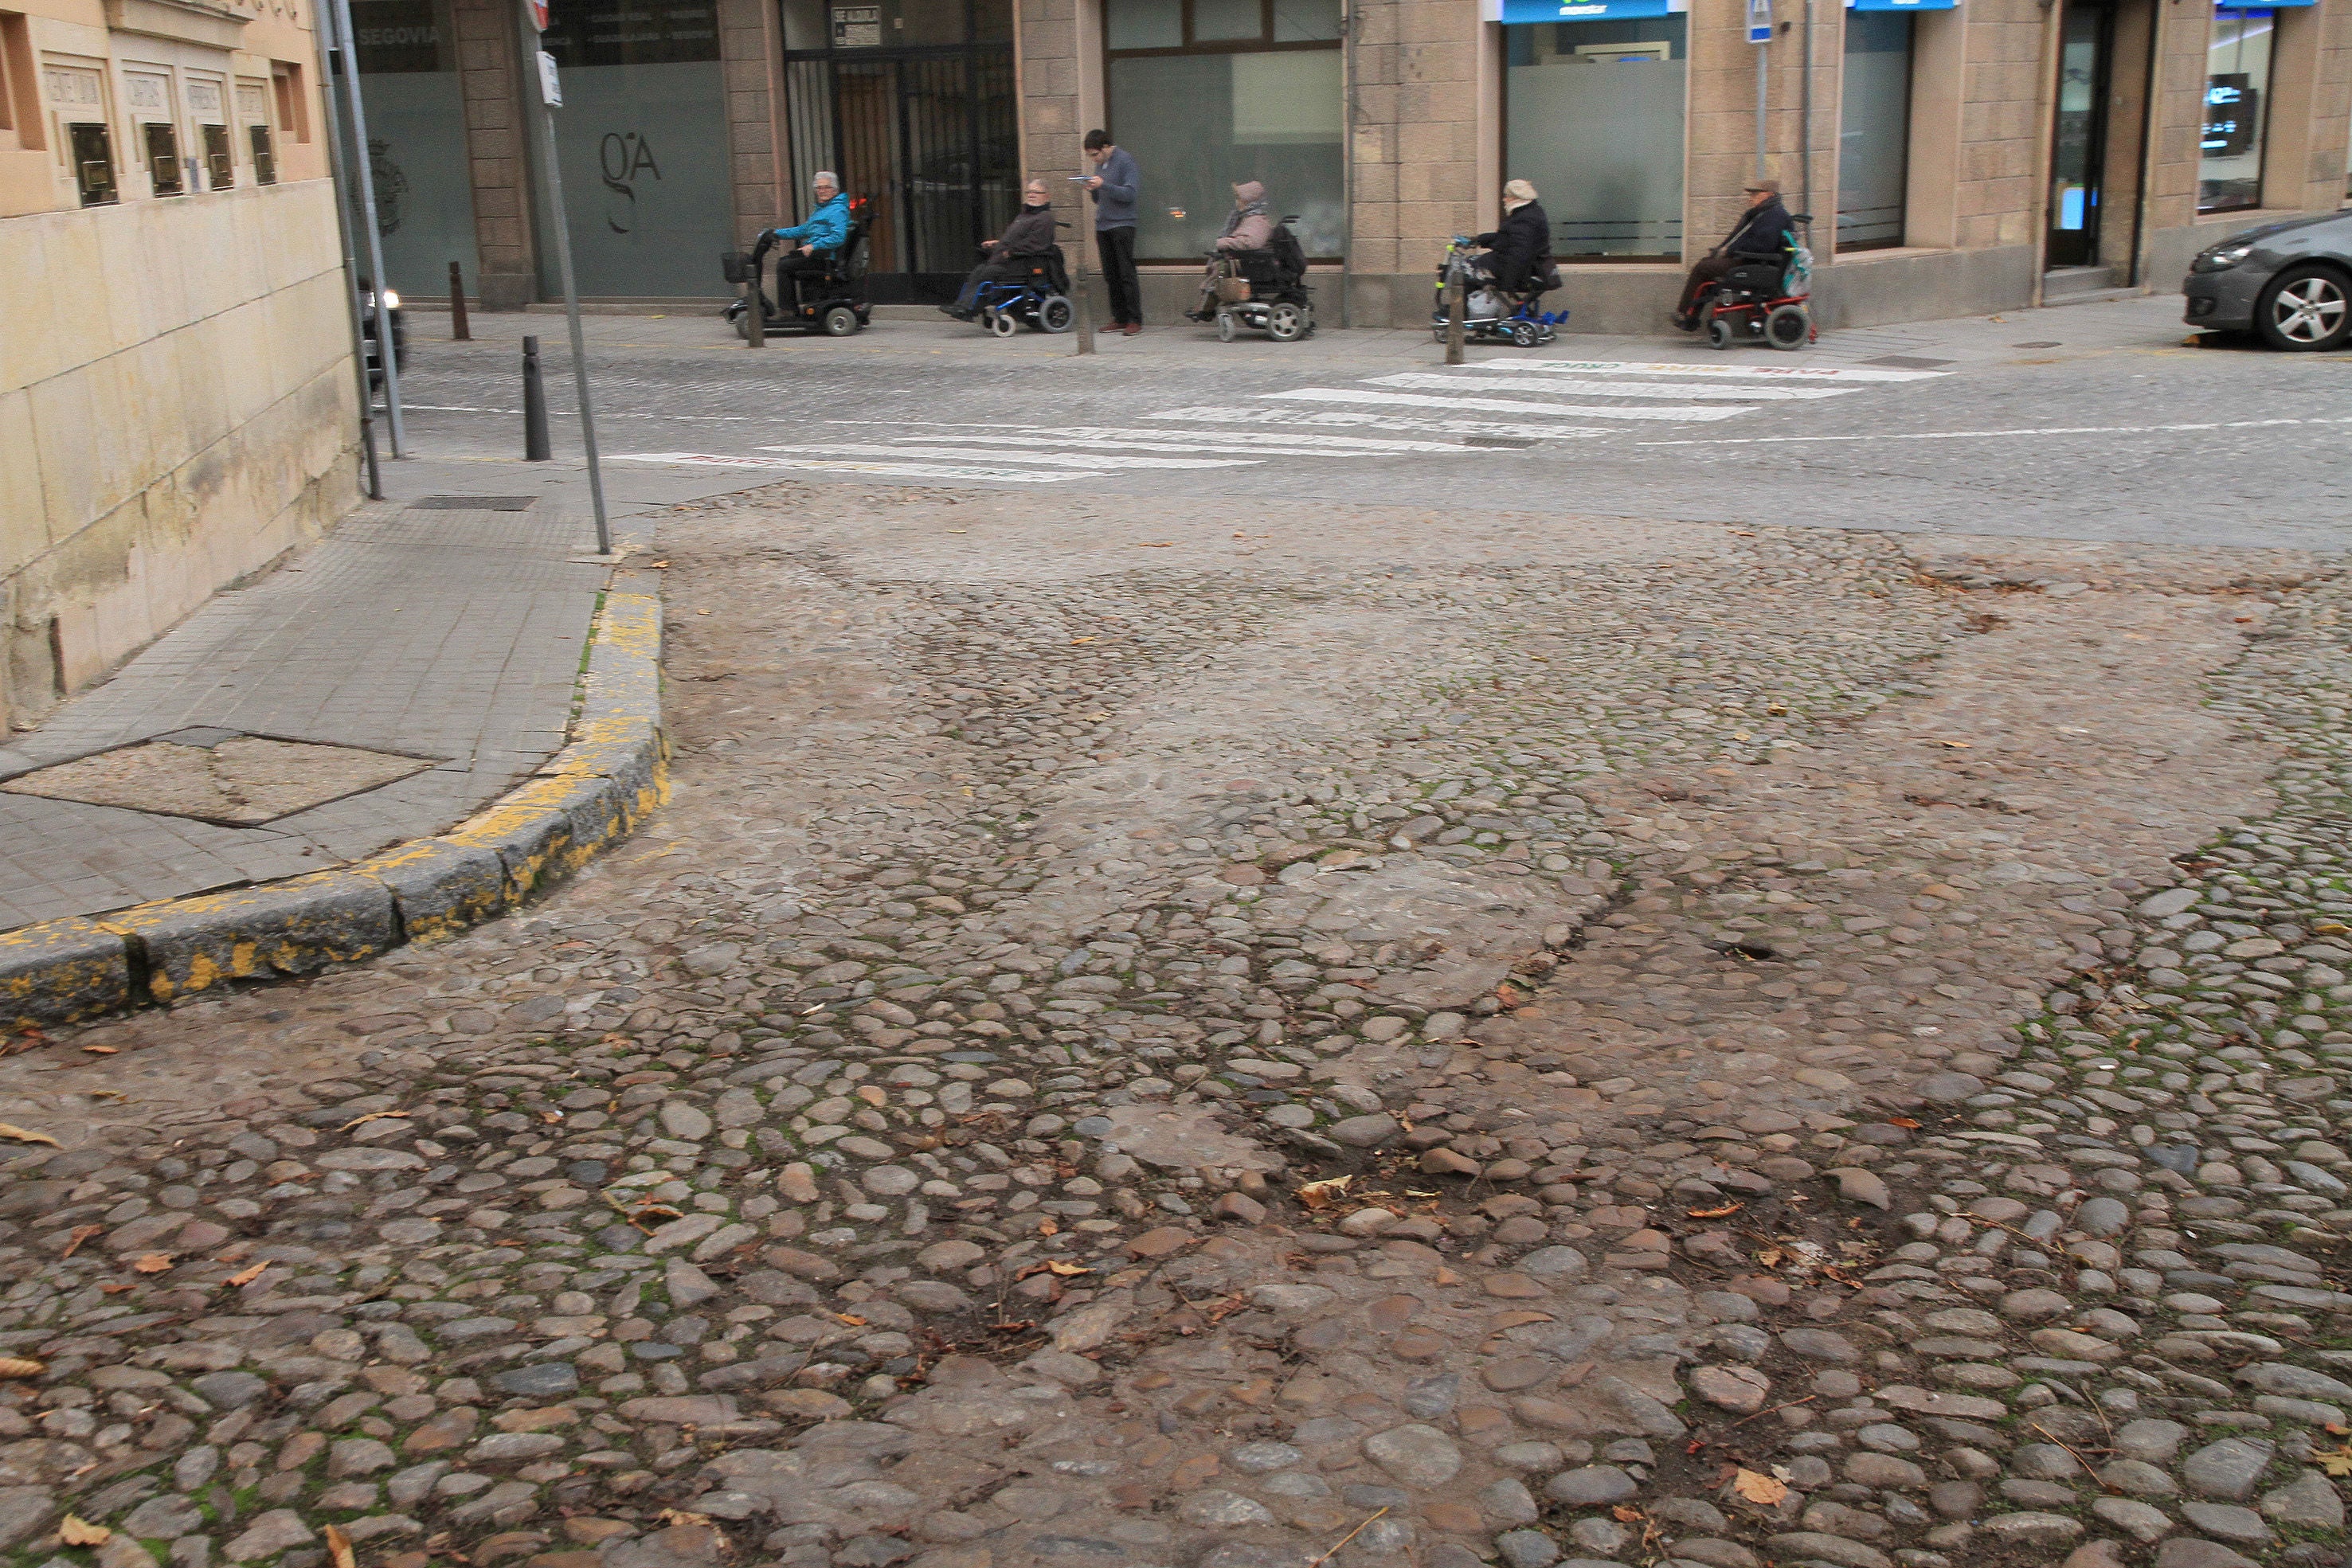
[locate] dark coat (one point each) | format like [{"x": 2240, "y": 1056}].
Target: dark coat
[
  {"x": 1031, "y": 232},
  {"x": 1763, "y": 234},
  {"x": 1519, "y": 248}
]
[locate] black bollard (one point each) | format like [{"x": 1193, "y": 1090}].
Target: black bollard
[
  {"x": 534, "y": 405},
  {"x": 460, "y": 331}
]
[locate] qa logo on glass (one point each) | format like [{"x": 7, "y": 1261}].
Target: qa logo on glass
[{"x": 1759, "y": 21}]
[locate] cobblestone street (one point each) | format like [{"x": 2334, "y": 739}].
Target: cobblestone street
[{"x": 1238, "y": 1034}]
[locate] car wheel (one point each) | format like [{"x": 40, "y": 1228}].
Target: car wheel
[{"x": 2305, "y": 309}]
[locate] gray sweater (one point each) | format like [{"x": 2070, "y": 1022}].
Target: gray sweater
[{"x": 1114, "y": 202}]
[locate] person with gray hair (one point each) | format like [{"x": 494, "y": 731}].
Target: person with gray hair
[
  {"x": 1519, "y": 254},
  {"x": 827, "y": 228}
]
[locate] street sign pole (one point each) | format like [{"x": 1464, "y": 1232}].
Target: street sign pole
[
  {"x": 363, "y": 168},
  {"x": 1760, "y": 33},
  {"x": 550, "y": 94}
]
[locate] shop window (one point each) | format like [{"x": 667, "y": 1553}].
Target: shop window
[
  {"x": 1875, "y": 129},
  {"x": 1593, "y": 118},
  {"x": 417, "y": 154},
  {"x": 1209, "y": 93},
  {"x": 92, "y": 148},
  {"x": 2237, "y": 102}
]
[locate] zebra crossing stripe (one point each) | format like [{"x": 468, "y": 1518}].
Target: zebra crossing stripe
[
  {"x": 1172, "y": 440},
  {"x": 1503, "y": 405},
  {"x": 1562, "y": 386},
  {"x": 1044, "y": 459},
  {"x": 1352, "y": 419},
  {"x": 1729, "y": 372},
  {"x": 847, "y": 465}
]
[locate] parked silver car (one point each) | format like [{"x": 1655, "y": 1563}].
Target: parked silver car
[{"x": 2291, "y": 282}]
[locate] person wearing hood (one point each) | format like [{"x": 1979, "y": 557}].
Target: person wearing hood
[
  {"x": 1246, "y": 227},
  {"x": 1518, "y": 254},
  {"x": 1031, "y": 232}
]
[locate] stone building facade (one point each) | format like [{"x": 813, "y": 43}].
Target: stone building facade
[
  {"x": 1957, "y": 155},
  {"x": 177, "y": 395}
]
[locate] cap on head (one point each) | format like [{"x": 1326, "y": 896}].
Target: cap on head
[
  {"x": 1520, "y": 190},
  {"x": 1772, "y": 186}
]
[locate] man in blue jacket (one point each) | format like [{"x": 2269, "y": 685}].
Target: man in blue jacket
[
  {"x": 1114, "y": 185},
  {"x": 827, "y": 231}
]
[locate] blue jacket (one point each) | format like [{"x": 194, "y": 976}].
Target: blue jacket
[{"x": 827, "y": 228}]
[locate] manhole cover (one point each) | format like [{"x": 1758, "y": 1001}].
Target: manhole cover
[
  {"x": 218, "y": 775},
  {"x": 472, "y": 504},
  {"x": 1905, "y": 363}
]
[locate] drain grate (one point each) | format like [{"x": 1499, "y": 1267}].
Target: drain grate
[
  {"x": 1514, "y": 441},
  {"x": 1905, "y": 363},
  {"x": 473, "y": 504}
]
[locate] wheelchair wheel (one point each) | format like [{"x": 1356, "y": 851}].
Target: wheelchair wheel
[
  {"x": 1053, "y": 314},
  {"x": 1224, "y": 325},
  {"x": 1718, "y": 332},
  {"x": 838, "y": 322},
  {"x": 743, "y": 325},
  {"x": 1526, "y": 334},
  {"x": 1001, "y": 322},
  {"x": 1788, "y": 327},
  {"x": 1285, "y": 324}
]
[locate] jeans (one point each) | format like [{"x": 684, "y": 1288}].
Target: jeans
[{"x": 1117, "y": 249}]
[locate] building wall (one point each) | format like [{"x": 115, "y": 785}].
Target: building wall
[
  {"x": 177, "y": 398},
  {"x": 497, "y": 151}
]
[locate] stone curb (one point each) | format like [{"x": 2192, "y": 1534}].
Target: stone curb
[{"x": 611, "y": 776}]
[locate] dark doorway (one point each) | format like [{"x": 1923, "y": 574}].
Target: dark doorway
[
  {"x": 912, "y": 103},
  {"x": 2079, "y": 138}
]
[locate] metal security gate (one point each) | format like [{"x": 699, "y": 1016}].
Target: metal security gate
[{"x": 927, "y": 137}]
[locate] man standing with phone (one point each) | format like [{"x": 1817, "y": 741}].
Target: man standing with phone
[{"x": 1113, "y": 185}]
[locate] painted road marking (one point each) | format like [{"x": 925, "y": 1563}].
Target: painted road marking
[
  {"x": 1047, "y": 459},
  {"x": 1352, "y": 420},
  {"x": 844, "y": 465},
  {"x": 1984, "y": 434},
  {"x": 1741, "y": 373},
  {"x": 1559, "y": 386},
  {"x": 1167, "y": 440},
  {"x": 1504, "y": 406}
]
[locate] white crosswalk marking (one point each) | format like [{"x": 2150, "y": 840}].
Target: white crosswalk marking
[
  {"x": 846, "y": 466},
  {"x": 1562, "y": 385},
  {"x": 1732, "y": 372},
  {"x": 1352, "y": 419},
  {"x": 1501, "y": 405},
  {"x": 1101, "y": 462},
  {"x": 1031, "y": 435}
]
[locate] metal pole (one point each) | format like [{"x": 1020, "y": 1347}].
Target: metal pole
[
  {"x": 1348, "y": 166},
  {"x": 461, "y": 330},
  {"x": 1805, "y": 132},
  {"x": 1083, "y": 306},
  {"x": 535, "y": 447},
  {"x": 1763, "y": 96},
  {"x": 363, "y": 178},
  {"x": 551, "y": 171},
  {"x": 335, "y": 129}
]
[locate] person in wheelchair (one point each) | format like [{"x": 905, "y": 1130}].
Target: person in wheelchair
[
  {"x": 1519, "y": 255},
  {"x": 1028, "y": 238},
  {"x": 815, "y": 246},
  {"x": 1762, "y": 234},
  {"x": 1247, "y": 232}
]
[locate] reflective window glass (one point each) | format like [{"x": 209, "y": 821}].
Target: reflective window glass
[
  {"x": 1875, "y": 129},
  {"x": 2237, "y": 101},
  {"x": 1593, "y": 118}
]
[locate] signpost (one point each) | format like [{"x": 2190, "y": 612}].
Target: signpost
[
  {"x": 1760, "y": 33},
  {"x": 550, "y": 92}
]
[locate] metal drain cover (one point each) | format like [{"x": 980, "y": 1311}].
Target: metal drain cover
[
  {"x": 218, "y": 775},
  {"x": 472, "y": 504}
]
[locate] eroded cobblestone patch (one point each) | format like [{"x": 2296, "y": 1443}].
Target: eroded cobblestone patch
[{"x": 1149, "y": 1041}]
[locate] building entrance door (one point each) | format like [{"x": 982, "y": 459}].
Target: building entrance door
[
  {"x": 928, "y": 136},
  {"x": 2079, "y": 138}
]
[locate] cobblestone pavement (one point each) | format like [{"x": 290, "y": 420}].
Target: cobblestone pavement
[{"x": 1205, "y": 1036}]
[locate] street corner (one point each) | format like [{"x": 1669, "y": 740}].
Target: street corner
[
  {"x": 293, "y": 927},
  {"x": 60, "y": 970}
]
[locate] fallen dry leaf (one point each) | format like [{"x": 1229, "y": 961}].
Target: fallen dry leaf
[
  {"x": 1759, "y": 1488},
  {"x": 852, "y": 1319},
  {"x": 550, "y": 1116},
  {"x": 339, "y": 1548},
  {"x": 102, "y": 1049},
  {"x": 1903, "y": 1122},
  {"x": 22, "y": 1137},
  {"x": 247, "y": 1276},
  {"x": 679, "y": 1516},
  {"x": 82, "y": 1233},
  {"x": 152, "y": 1264},
  {"x": 1955, "y": 745},
  {"x": 1057, "y": 1267},
  {"x": 1325, "y": 1193},
  {"x": 2336, "y": 1462},
  {"x": 108, "y": 1094},
  {"x": 1715, "y": 1213},
  {"x": 1169, "y": 545},
  {"x": 20, "y": 1367},
  {"x": 1076, "y": 641},
  {"x": 75, "y": 1531},
  {"x": 372, "y": 1116}
]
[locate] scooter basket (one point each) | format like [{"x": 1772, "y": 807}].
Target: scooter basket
[{"x": 736, "y": 265}]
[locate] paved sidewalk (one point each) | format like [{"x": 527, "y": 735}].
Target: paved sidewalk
[{"x": 447, "y": 639}]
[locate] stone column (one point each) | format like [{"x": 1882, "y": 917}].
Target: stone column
[
  {"x": 498, "y": 150},
  {"x": 750, "y": 50}
]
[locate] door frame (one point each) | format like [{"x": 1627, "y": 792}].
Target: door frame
[{"x": 2096, "y": 151}]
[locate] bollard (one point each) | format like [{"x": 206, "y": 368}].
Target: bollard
[
  {"x": 1454, "y": 316},
  {"x": 1082, "y": 302},
  {"x": 534, "y": 405},
  {"x": 755, "y": 310},
  {"x": 460, "y": 330}
]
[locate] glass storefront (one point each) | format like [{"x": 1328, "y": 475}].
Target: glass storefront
[
  {"x": 1875, "y": 129},
  {"x": 912, "y": 103},
  {"x": 1208, "y": 93},
  {"x": 1593, "y": 118},
  {"x": 2237, "y": 104},
  {"x": 417, "y": 141},
  {"x": 643, "y": 139}
]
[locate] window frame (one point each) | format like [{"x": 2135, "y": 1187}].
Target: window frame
[{"x": 1839, "y": 244}]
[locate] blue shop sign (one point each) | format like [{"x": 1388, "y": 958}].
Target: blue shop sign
[
  {"x": 1902, "y": 5},
  {"x": 1519, "y": 11}
]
